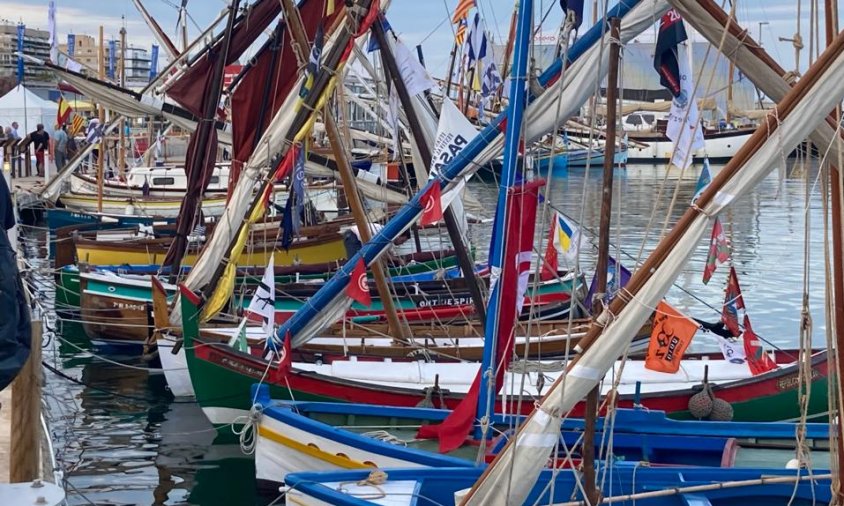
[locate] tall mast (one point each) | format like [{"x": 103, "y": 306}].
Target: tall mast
[
  {"x": 297, "y": 30},
  {"x": 202, "y": 149},
  {"x": 101, "y": 112},
  {"x": 453, "y": 228},
  {"x": 505, "y": 65},
  {"x": 592, "y": 492},
  {"x": 121, "y": 153}
]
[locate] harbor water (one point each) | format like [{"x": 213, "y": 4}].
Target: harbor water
[{"x": 121, "y": 439}]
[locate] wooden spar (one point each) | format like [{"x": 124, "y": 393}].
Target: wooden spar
[
  {"x": 836, "y": 189},
  {"x": 591, "y": 414},
  {"x": 121, "y": 153},
  {"x": 395, "y": 326},
  {"x": 101, "y": 113},
  {"x": 203, "y": 131},
  {"x": 505, "y": 66},
  {"x": 183, "y": 16},
  {"x": 769, "y": 125},
  {"x": 463, "y": 258},
  {"x": 346, "y": 23},
  {"x": 469, "y": 86},
  {"x": 449, "y": 78},
  {"x": 297, "y": 30},
  {"x": 160, "y": 36}
]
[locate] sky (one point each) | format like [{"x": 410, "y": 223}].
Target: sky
[{"x": 416, "y": 21}]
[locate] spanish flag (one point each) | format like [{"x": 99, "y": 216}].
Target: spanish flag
[{"x": 64, "y": 111}]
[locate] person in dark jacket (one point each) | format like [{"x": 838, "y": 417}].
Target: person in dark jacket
[{"x": 15, "y": 332}]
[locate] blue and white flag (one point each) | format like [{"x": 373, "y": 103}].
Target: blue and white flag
[
  {"x": 703, "y": 180},
  {"x": 21, "y": 34},
  {"x": 477, "y": 41},
  {"x": 112, "y": 58},
  {"x": 71, "y": 44}
]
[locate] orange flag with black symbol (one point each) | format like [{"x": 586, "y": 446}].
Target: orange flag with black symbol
[{"x": 672, "y": 333}]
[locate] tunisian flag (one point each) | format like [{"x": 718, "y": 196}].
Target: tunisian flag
[
  {"x": 432, "y": 207},
  {"x": 358, "y": 287},
  {"x": 510, "y": 286}
]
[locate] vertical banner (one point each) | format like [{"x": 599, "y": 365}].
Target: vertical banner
[
  {"x": 21, "y": 33},
  {"x": 112, "y": 57},
  {"x": 153, "y": 62},
  {"x": 71, "y": 44}
]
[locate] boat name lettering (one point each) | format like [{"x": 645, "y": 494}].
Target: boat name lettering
[
  {"x": 225, "y": 361},
  {"x": 792, "y": 381},
  {"x": 450, "y": 301},
  {"x": 127, "y": 305}
]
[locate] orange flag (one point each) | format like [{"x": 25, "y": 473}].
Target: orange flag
[{"x": 672, "y": 333}]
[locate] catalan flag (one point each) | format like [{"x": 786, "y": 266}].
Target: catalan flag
[
  {"x": 76, "y": 125},
  {"x": 460, "y": 35},
  {"x": 63, "y": 114},
  {"x": 461, "y": 12}
]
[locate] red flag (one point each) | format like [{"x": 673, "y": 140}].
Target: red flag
[
  {"x": 733, "y": 301},
  {"x": 719, "y": 251},
  {"x": 551, "y": 265},
  {"x": 358, "y": 287},
  {"x": 520, "y": 222},
  {"x": 432, "y": 208},
  {"x": 672, "y": 333},
  {"x": 285, "y": 361},
  {"x": 758, "y": 361}
]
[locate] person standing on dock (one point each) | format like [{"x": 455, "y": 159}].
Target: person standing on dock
[
  {"x": 41, "y": 142},
  {"x": 17, "y": 166},
  {"x": 60, "y": 147}
]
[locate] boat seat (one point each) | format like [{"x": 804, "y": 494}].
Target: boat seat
[{"x": 695, "y": 500}]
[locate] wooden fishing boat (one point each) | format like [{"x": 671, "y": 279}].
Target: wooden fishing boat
[
  {"x": 682, "y": 486},
  {"x": 220, "y": 372},
  {"x": 118, "y": 310},
  {"x": 310, "y": 436},
  {"x": 163, "y": 207}
]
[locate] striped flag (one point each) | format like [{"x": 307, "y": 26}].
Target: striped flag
[
  {"x": 719, "y": 251},
  {"x": 462, "y": 10},
  {"x": 76, "y": 124},
  {"x": 63, "y": 112},
  {"x": 460, "y": 35}
]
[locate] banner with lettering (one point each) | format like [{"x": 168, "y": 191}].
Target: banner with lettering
[{"x": 672, "y": 333}]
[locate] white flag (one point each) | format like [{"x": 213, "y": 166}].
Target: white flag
[
  {"x": 687, "y": 135},
  {"x": 454, "y": 133},
  {"x": 263, "y": 301},
  {"x": 412, "y": 72}
]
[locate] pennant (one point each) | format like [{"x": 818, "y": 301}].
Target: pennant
[
  {"x": 733, "y": 302},
  {"x": 462, "y": 10},
  {"x": 617, "y": 278},
  {"x": 575, "y": 6},
  {"x": 358, "y": 287},
  {"x": 63, "y": 112},
  {"x": 672, "y": 334},
  {"x": 758, "y": 360},
  {"x": 703, "y": 180},
  {"x": 719, "y": 251},
  {"x": 263, "y": 300},
  {"x": 431, "y": 201}
]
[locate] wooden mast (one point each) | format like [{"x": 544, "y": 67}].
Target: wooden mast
[
  {"x": 297, "y": 30},
  {"x": 463, "y": 258},
  {"x": 101, "y": 113},
  {"x": 591, "y": 415},
  {"x": 505, "y": 65},
  {"x": 121, "y": 152}
]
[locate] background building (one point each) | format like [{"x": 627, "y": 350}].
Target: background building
[
  {"x": 86, "y": 51},
  {"x": 35, "y": 43}
]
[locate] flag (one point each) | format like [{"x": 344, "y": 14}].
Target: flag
[
  {"x": 71, "y": 44},
  {"x": 112, "y": 59},
  {"x": 480, "y": 54},
  {"x": 666, "y": 62},
  {"x": 298, "y": 187},
  {"x": 313, "y": 63},
  {"x": 415, "y": 76},
  {"x": 563, "y": 241},
  {"x": 51, "y": 29},
  {"x": 76, "y": 125},
  {"x": 575, "y": 6},
  {"x": 462, "y": 10},
  {"x": 757, "y": 359},
  {"x": 153, "y": 62},
  {"x": 373, "y": 45},
  {"x": 733, "y": 302},
  {"x": 63, "y": 112},
  {"x": 358, "y": 287},
  {"x": 431, "y": 201},
  {"x": 21, "y": 35},
  {"x": 732, "y": 350},
  {"x": 506, "y": 288},
  {"x": 263, "y": 300},
  {"x": 477, "y": 42},
  {"x": 460, "y": 33},
  {"x": 719, "y": 251},
  {"x": 617, "y": 278},
  {"x": 703, "y": 180},
  {"x": 671, "y": 335}
]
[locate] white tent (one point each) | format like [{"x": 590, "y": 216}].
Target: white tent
[{"x": 28, "y": 109}]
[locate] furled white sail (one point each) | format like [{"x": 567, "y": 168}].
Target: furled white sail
[{"x": 510, "y": 480}]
